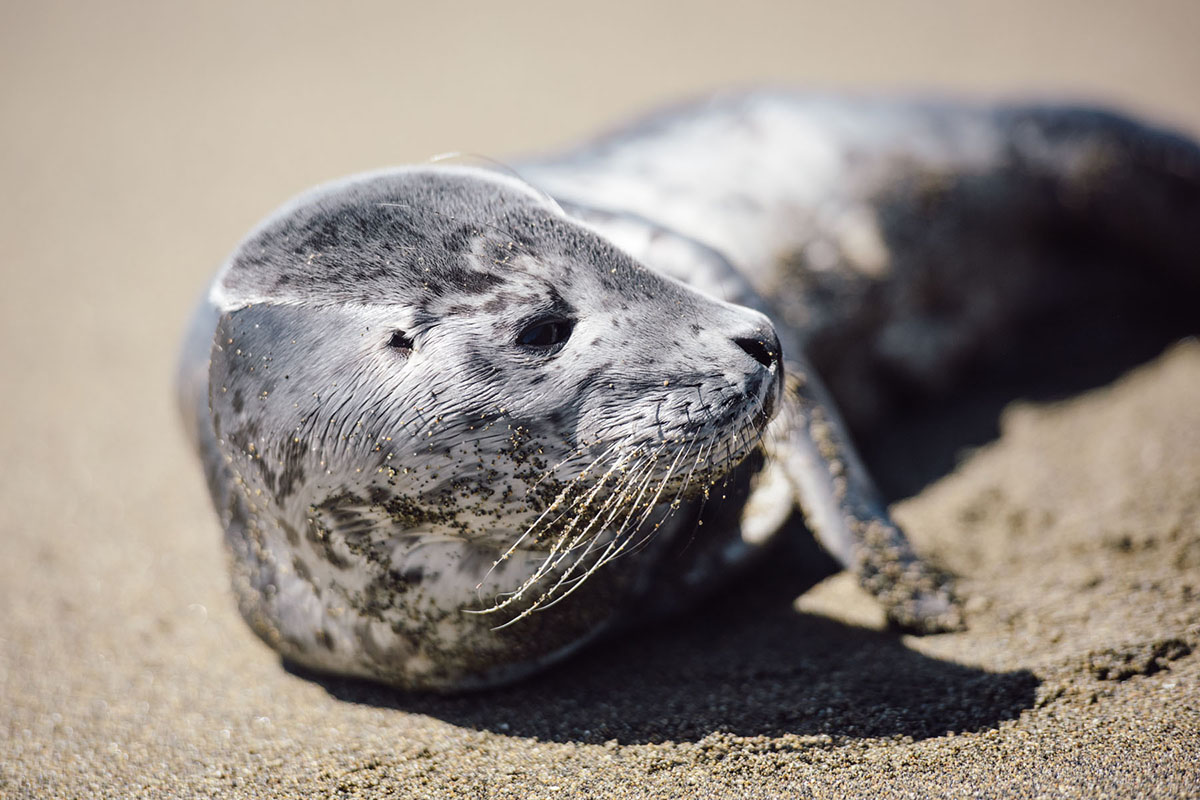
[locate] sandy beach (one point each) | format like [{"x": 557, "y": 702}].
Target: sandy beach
[{"x": 141, "y": 141}]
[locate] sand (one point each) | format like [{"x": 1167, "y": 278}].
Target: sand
[{"x": 141, "y": 141}]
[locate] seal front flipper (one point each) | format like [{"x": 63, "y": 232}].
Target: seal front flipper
[{"x": 846, "y": 513}]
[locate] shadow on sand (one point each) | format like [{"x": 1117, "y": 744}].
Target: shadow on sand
[{"x": 744, "y": 663}]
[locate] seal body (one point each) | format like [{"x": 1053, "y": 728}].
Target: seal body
[{"x": 457, "y": 424}]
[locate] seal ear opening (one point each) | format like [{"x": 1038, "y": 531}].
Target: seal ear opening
[{"x": 402, "y": 342}]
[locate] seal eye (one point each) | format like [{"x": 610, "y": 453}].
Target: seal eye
[
  {"x": 546, "y": 333},
  {"x": 402, "y": 342}
]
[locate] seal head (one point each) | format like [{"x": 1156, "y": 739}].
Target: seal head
[{"x": 432, "y": 394}]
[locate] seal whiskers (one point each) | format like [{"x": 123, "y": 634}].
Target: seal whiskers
[{"x": 567, "y": 539}]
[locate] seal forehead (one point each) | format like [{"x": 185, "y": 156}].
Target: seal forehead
[{"x": 395, "y": 237}]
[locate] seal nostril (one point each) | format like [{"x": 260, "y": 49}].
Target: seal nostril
[{"x": 758, "y": 350}]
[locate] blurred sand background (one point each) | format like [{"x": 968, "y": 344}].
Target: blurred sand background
[{"x": 139, "y": 141}]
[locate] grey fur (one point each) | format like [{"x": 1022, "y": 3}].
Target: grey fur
[{"x": 388, "y": 460}]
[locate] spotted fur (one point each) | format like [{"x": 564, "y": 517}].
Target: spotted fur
[{"x": 412, "y": 495}]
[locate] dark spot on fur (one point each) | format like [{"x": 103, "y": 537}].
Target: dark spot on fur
[
  {"x": 292, "y": 475},
  {"x": 379, "y": 495},
  {"x": 558, "y": 303},
  {"x": 243, "y": 438},
  {"x": 411, "y": 576},
  {"x": 498, "y": 304},
  {"x": 469, "y": 281},
  {"x": 473, "y": 362},
  {"x": 301, "y": 570},
  {"x": 321, "y": 538},
  {"x": 292, "y": 536}
]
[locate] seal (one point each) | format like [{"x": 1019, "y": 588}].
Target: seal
[{"x": 457, "y": 424}]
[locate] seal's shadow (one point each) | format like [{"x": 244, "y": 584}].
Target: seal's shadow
[{"x": 744, "y": 663}]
